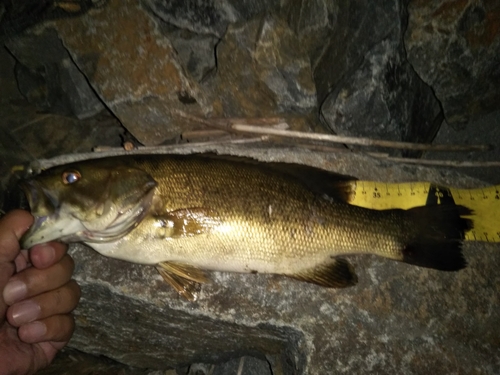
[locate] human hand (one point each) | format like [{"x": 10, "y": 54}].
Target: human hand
[{"x": 36, "y": 298}]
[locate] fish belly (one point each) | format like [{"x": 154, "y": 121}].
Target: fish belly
[{"x": 282, "y": 247}]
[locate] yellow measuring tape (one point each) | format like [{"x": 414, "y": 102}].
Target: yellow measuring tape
[{"x": 484, "y": 202}]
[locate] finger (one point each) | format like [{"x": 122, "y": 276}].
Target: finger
[
  {"x": 57, "y": 328},
  {"x": 22, "y": 261},
  {"x": 12, "y": 227},
  {"x": 60, "y": 301},
  {"x": 33, "y": 281},
  {"x": 47, "y": 254}
]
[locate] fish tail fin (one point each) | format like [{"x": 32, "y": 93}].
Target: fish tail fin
[{"x": 438, "y": 235}]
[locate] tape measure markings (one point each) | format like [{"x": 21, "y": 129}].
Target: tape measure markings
[{"x": 485, "y": 202}]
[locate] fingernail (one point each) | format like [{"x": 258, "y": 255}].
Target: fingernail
[
  {"x": 25, "y": 312},
  {"x": 34, "y": 331},
  {"x": 14, "y": 291},
  {"x": 46, "y": 254}
]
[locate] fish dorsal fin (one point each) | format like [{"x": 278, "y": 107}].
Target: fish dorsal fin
[
  {"x": 337, "y": 273},
  {"x": 185, "y": 279},
  {"x": 320, "y": 181}
]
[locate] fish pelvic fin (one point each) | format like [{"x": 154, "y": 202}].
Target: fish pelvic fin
[
  {"x": 336, "y": 273},
  {"x": 185, "y": 279},
  {"x": 437, "y": 243}
]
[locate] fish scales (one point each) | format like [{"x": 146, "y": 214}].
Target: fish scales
[
  {"x": 190, "y": 212},
  {"x": 268, "y": 217}
]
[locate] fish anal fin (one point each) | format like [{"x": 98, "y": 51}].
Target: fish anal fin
[
  {"x": 187, "y": 222},
  {"x": 185, "y": 279},
  {"x": 337, "y": 273}
]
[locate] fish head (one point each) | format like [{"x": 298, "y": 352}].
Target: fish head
[{"x": 91, "y": 201}]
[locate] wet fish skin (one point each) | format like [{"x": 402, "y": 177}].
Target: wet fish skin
[{"x": 206, "y": 212}]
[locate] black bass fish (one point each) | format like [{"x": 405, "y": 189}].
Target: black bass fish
[{"x": 187, "y": 213}]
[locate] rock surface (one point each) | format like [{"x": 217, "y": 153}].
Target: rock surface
[
  {"x": 196, "y": 52},
  {"x": 48, "y": 78},
  {"x": 133, "y": 68},
  {"x": 484, "y": 130},
  {"x": 398, "y": 319},
  {"x": 257, "y": 58},
  {"x": 455, "y": 47},
  {"x": 210, "y": 16},
  {"x": 262, "y": 71},
  {"x": 367, "y": 85}
]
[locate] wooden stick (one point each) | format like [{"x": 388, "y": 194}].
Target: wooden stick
[
  {"x": 442, "y": 163},
  {"x": 380, "y": 155},
  {"x": 244, "y": 128},
  {"x": 145, "y": 149},
  {"x": 196, "y": 134},
  {"x": 226, "y": 123}
]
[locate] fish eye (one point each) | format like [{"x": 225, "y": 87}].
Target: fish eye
[{"x": 70, "y": 177}]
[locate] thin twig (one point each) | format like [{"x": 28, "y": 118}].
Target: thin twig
[
  {"x": 105, "y": 151},
  {"x": 204, "y": 121},
  {"x": 442, "y": 163},
  {"x": 197, "y": 134},
  {"x": 240, "y": 366},
  {"x": 384, "y": 156},
  {"x": 225, "y": 124},
  {"x": 244, "y": 128},
  {"x": 35, "y": 120},
  {"x": 146, "y": 149}
]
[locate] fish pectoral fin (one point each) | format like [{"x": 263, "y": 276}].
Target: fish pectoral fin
[
  {"x": 185, "y": 279},
  {"x": 190, "y": 221},
  {"x": 336, "y": 273}
]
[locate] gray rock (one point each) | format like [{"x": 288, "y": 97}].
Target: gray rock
[
  {"x": 398, "y": 319},
  {"x": 383, "y": 99},
  {"x": 374, "y": 92},
  {"x": 314, "y": 22},
  {"x": 196, "y": 52},
  {"x": 70, "y": 362},
  {"x": 278, "y": 79},
  {"x": 134, "y": 69},
  {"x": 8, "y": 83},
  {"x": 207, "y": 16},
  {"x": 244, "y": 366},
  {"x": 200, "y": 369},
  {"x": 353, "y": 30},
  {"x": 484, "y": 130},
  {"x": 48, "y": 78},
  {"x": 455, "y": 48}
]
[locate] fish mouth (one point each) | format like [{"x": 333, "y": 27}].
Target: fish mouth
[
  {"x": 43, "y": 209},
  {"x": 33, "y": 191},
  {"x": 57, "y": 221},
  {"x": 41, "y": 202}
]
